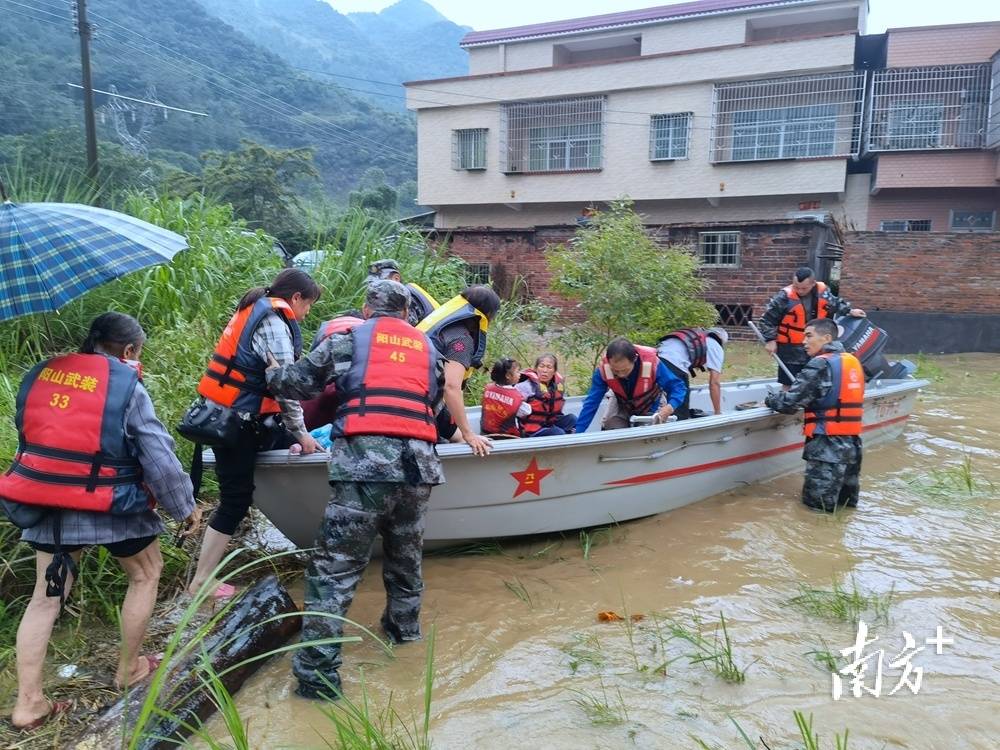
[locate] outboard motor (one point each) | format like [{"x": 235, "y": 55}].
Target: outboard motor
[{"x": 865, "y": 340}]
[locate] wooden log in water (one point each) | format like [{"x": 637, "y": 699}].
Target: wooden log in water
[{"x": 231, "y": 643}]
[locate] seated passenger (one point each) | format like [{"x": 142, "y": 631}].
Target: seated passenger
[
  {"x": 689, "y": 350},
  {"x": 504, "y": 406},
  {"x": 639, "y": 381},
  {"x": 543, "y": 387}
]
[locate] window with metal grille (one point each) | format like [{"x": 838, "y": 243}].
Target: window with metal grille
[
  {"x": 556, "y": 135},
  {"x": 468, "y": 148},
  {"x": 914, "y": 109},
  {"x": 788, "y": 118},
  {"x": 668, "y": 136},
  {"x": 477, "y": 273},
  {"x": 906, "y": 225},
  {"x": 972, "y": 221},
  {"x": 734, "y": 315},
  {"x": 993, "y": 130},
  {"x": 719, "y": 249}
]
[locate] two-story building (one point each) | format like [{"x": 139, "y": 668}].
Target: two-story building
[{"x": 738, "y": 128}]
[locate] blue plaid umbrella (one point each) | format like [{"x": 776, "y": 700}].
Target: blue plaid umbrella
[{"x": 51, "y": 253}]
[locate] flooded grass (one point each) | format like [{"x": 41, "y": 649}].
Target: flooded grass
[
  {"x": 824, "y": 658},
  {"x": 598, "y": 535},
  {"x": 715, "y": 654},
  {"x": 600, "y": 708},
  {"x": 519, "y": 590},
  {"x": 843, "y": 604},
  {"x": 586, "y": 648},
  {"x": 809, "y": 739},
  {"x": 956, "y": 484},
  {"x": 482, "y": 548}
]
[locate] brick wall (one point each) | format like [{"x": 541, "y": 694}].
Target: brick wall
[
  {"x": 769, "y": 254},
  {"x": 935, "y": 205},
  {"x": 956, "y": 272}
]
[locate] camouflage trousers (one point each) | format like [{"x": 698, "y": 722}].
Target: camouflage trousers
[
  {"x": 828, "y": 485},
  {"x": 356, "y": 513}
]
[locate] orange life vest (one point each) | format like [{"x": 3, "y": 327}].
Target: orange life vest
[
  {"x": 646, "y": 390},
  {"x": 839, "y": 412},
  {"x": 340, "y": 324},
  {"x": 792, "y": 328},
  {"x": 391, "y": 386},
  {"x": 499, "y": 414},
  {"x": 72, "y": 452},
  {"x": 546, "y": 402},
  {"x": 235, "y": 374}
]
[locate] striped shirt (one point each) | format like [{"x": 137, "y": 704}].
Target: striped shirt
[{"x": 162, "y": 474}]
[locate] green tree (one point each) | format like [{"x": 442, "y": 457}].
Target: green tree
[
  {"x": 260, "y": 183},
  {"x": 626, "y": 283}
]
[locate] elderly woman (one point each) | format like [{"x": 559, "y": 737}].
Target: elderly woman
[{"x": 93, "y": 461}]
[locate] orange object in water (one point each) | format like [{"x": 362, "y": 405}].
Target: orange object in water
[{"x": 610, "y": 616}]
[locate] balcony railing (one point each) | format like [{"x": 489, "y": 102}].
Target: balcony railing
[
  {"x": 788, "y": 118},
  {"x": 918, "y": 109}
]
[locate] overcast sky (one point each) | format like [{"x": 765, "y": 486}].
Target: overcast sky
[{"x": 482, "y": 15}]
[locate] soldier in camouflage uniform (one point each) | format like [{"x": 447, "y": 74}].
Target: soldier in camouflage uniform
[
  {"x": 381, "y": 485},
  {"x": 833, "y": 462},
  {"x": 387, "y": 268}
]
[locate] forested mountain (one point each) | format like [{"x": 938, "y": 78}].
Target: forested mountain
[
  {"x": 406, "y": 41},
  {"x": 196, "y": 61}
]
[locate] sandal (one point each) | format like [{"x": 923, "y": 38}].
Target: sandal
[
  {"x": 56, "y": 708},
  {"x": 152, "y": 664}
]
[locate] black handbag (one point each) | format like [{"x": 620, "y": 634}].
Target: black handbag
[{"x": 208, "y": 423}]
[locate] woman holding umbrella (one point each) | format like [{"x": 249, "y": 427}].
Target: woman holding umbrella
[
  {"x": 266, "y": 321},
  {"x": 86, "y": 426}
]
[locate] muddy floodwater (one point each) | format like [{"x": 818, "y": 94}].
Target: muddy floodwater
[{"x": 520, "y": 652}]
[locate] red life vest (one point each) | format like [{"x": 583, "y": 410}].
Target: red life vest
[
  {"x": 235, "y": 374},
  {"x": 391, "y": 386},
  {"x": 792, "y": 328},
  {"x": 72, "y": 452},
  {"x": 546, "y": 402},
  {"x": 499, "y": 414},
  {"x": 839, "y": 412},
  {"x": 322, "y": 410},
  {"x": 646, "y": 390},
  {"x": 340, "y": 324}
]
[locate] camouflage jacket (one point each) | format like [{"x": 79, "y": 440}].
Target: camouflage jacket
[
  {"x": 776, "y": 306},
  {"x": 363, "y": 458},
  {"x": 812, "y": 384}
]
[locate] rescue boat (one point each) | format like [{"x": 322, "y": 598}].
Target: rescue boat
[{"x": 549, "y": 484}]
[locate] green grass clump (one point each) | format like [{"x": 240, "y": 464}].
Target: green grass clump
[
  {"x": 843, "y": 604},
  {"x": 602, "y": 709},
  {"x": 585, "y": 649},
  {"x": 810, "y": 739},
  {"x": 716, "y": 654}
]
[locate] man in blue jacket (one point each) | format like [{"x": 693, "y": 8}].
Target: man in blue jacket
[{"x": 639, "y": 381}]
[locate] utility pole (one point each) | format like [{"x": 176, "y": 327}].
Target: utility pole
[{"x": 83, "y": 28}]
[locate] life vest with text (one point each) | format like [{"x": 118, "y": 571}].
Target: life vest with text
[
  {"x": 72, "y": 451},
  {"x": 792, "y": 327},
  {"x": 499, "y": 412},
  {"x": 391, "y": 386},
  {"x": 546, "y": 401}
]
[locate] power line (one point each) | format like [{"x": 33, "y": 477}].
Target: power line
[
  {"x": 62, "y": 17},
  {"x": 327, "y": 123},
  {"x": 171, "y": 63},
  {"x": 142, "y": 101},
  {"x": 34, "y": 18}
]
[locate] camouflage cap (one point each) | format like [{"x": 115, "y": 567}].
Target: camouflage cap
[
  {"x": 387, "y": 296},
  {"x": 382, "y": 269}
]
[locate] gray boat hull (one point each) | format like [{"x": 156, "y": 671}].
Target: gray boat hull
[{"x": 539, "y": 485}]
